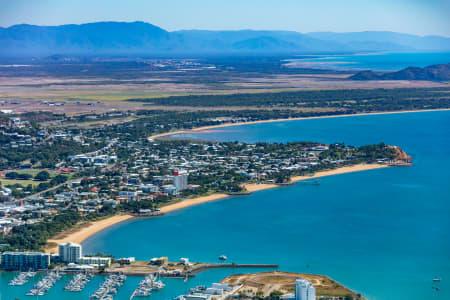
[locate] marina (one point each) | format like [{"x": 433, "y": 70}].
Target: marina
[
  {"x": 108, "y": 288},
  {"x": 45, "y": 284},
  {"x": 147, "y": 285},
  {"x": 22, "y": 278},
  {"x": 281, "y": 213},
  {"x": 78, "y": 282}
]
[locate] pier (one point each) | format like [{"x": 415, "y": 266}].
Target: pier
[
  {"x": 22, "y": 278},
  {"x": 109, "y": 287},
  {"x": 147, "y": 285},
  {"x": 244, "y": 193},
  {"x": 179, "y": 271},
  {"x": 45, "y": 284},
  {"x": 78, "y": 282}
]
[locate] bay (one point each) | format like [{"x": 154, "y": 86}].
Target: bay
[{"x": 384, "y": 233}]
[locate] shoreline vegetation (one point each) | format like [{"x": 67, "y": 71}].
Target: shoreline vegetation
[
  {"x": 204, "y": 129},
  {"x": 80, "y": 234}
]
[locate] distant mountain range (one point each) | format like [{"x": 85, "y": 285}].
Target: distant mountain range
[
  {"x": 434, "y": 73},
  {"x": 139, "y": 38}
]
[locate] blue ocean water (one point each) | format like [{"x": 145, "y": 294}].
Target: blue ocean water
[
  {"x": 378, "y": 61},
  {"x": 384, "y": 233}
]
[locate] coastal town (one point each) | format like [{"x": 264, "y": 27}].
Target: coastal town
[
  {"x": 100, "y": 173},
  {"x": 141, "y": 176},
  {"x": 220, "y": 150}
]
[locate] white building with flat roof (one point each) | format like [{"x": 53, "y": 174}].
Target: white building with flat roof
[
  {"x": 70, "y": 252},
  {"x": 95, "y": 260},
  {"x": 304, "y": 290}
]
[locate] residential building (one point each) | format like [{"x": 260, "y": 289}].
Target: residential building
[
  {"x": 25, "y": 260},
  {"x": 304, "y": 290},
  {"x": 180, "y": 180},
  {"x": 169, "y": 189},
  {"x": 131, "y": 196},
  {"x": 70, "y": 252},
  {"x": 95, "y": 260}
]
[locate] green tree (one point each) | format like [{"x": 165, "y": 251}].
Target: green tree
[{"x": 42, "y": 176}]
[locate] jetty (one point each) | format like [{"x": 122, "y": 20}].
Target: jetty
[
  {"x": 147, "y": 285},
  {"x": 22, "y": 278},
  {"x": 78, "y": 282},
  {"x": 45, "y": 284},
  {"x": 148, "y": 213},
  {"x": 109, "y": 287},
  {"x": 176, "y": 270},
  {"x": 243, "y": 193},
  {"x": 288, "y": 183}
]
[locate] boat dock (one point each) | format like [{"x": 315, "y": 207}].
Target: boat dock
[
  {"x": 109, "y": 287},
  {"x": 22, "y": 278},
  {"x": 45, "y": 284},
  {"x": 78, "y": 282},
  {"x": 147, "y": 285}
]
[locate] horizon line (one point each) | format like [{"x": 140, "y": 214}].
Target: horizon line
[{"x": 217, "y": 30}]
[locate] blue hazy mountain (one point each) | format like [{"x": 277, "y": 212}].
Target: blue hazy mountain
[{"x": 140, "y": 38}]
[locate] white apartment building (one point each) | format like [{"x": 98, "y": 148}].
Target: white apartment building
[
  {"x": 180, "y": 180},
  {"x": 70, "y": 252},
  {"x": 304, "y": 290}
]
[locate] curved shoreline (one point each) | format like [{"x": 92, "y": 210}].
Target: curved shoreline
[
  {"x": 204, "y": 128},
  {"x": 78, "y": 236}
]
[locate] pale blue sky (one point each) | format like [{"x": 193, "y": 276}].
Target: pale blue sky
[{"x": 409, "y": 16}]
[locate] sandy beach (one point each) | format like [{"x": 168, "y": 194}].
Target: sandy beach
[
  {"x": 81, "y": 234},
  {"x": 253, "y": 187},
  {"x": 192, "y": 202},
  {"x": 205, "y": 128}
]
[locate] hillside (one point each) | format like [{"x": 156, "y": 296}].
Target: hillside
[
  {"x": 432, "y": 73},
  {"x": 140, "y": 38}
]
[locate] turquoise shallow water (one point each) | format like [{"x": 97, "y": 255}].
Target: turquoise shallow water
[
  {"x": 384, "y": 233},
  {"x": 379, "y": 61}
]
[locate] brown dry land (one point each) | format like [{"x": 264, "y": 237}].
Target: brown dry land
[
  {"x": 267, "y": 282},
  {"x": 79, "y": 94}
]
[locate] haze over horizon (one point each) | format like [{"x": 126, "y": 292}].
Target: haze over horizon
[{"x": 417, "y": 17}]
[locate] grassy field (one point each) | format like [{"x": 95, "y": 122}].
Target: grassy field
[{"x": 23, "y": 183}]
